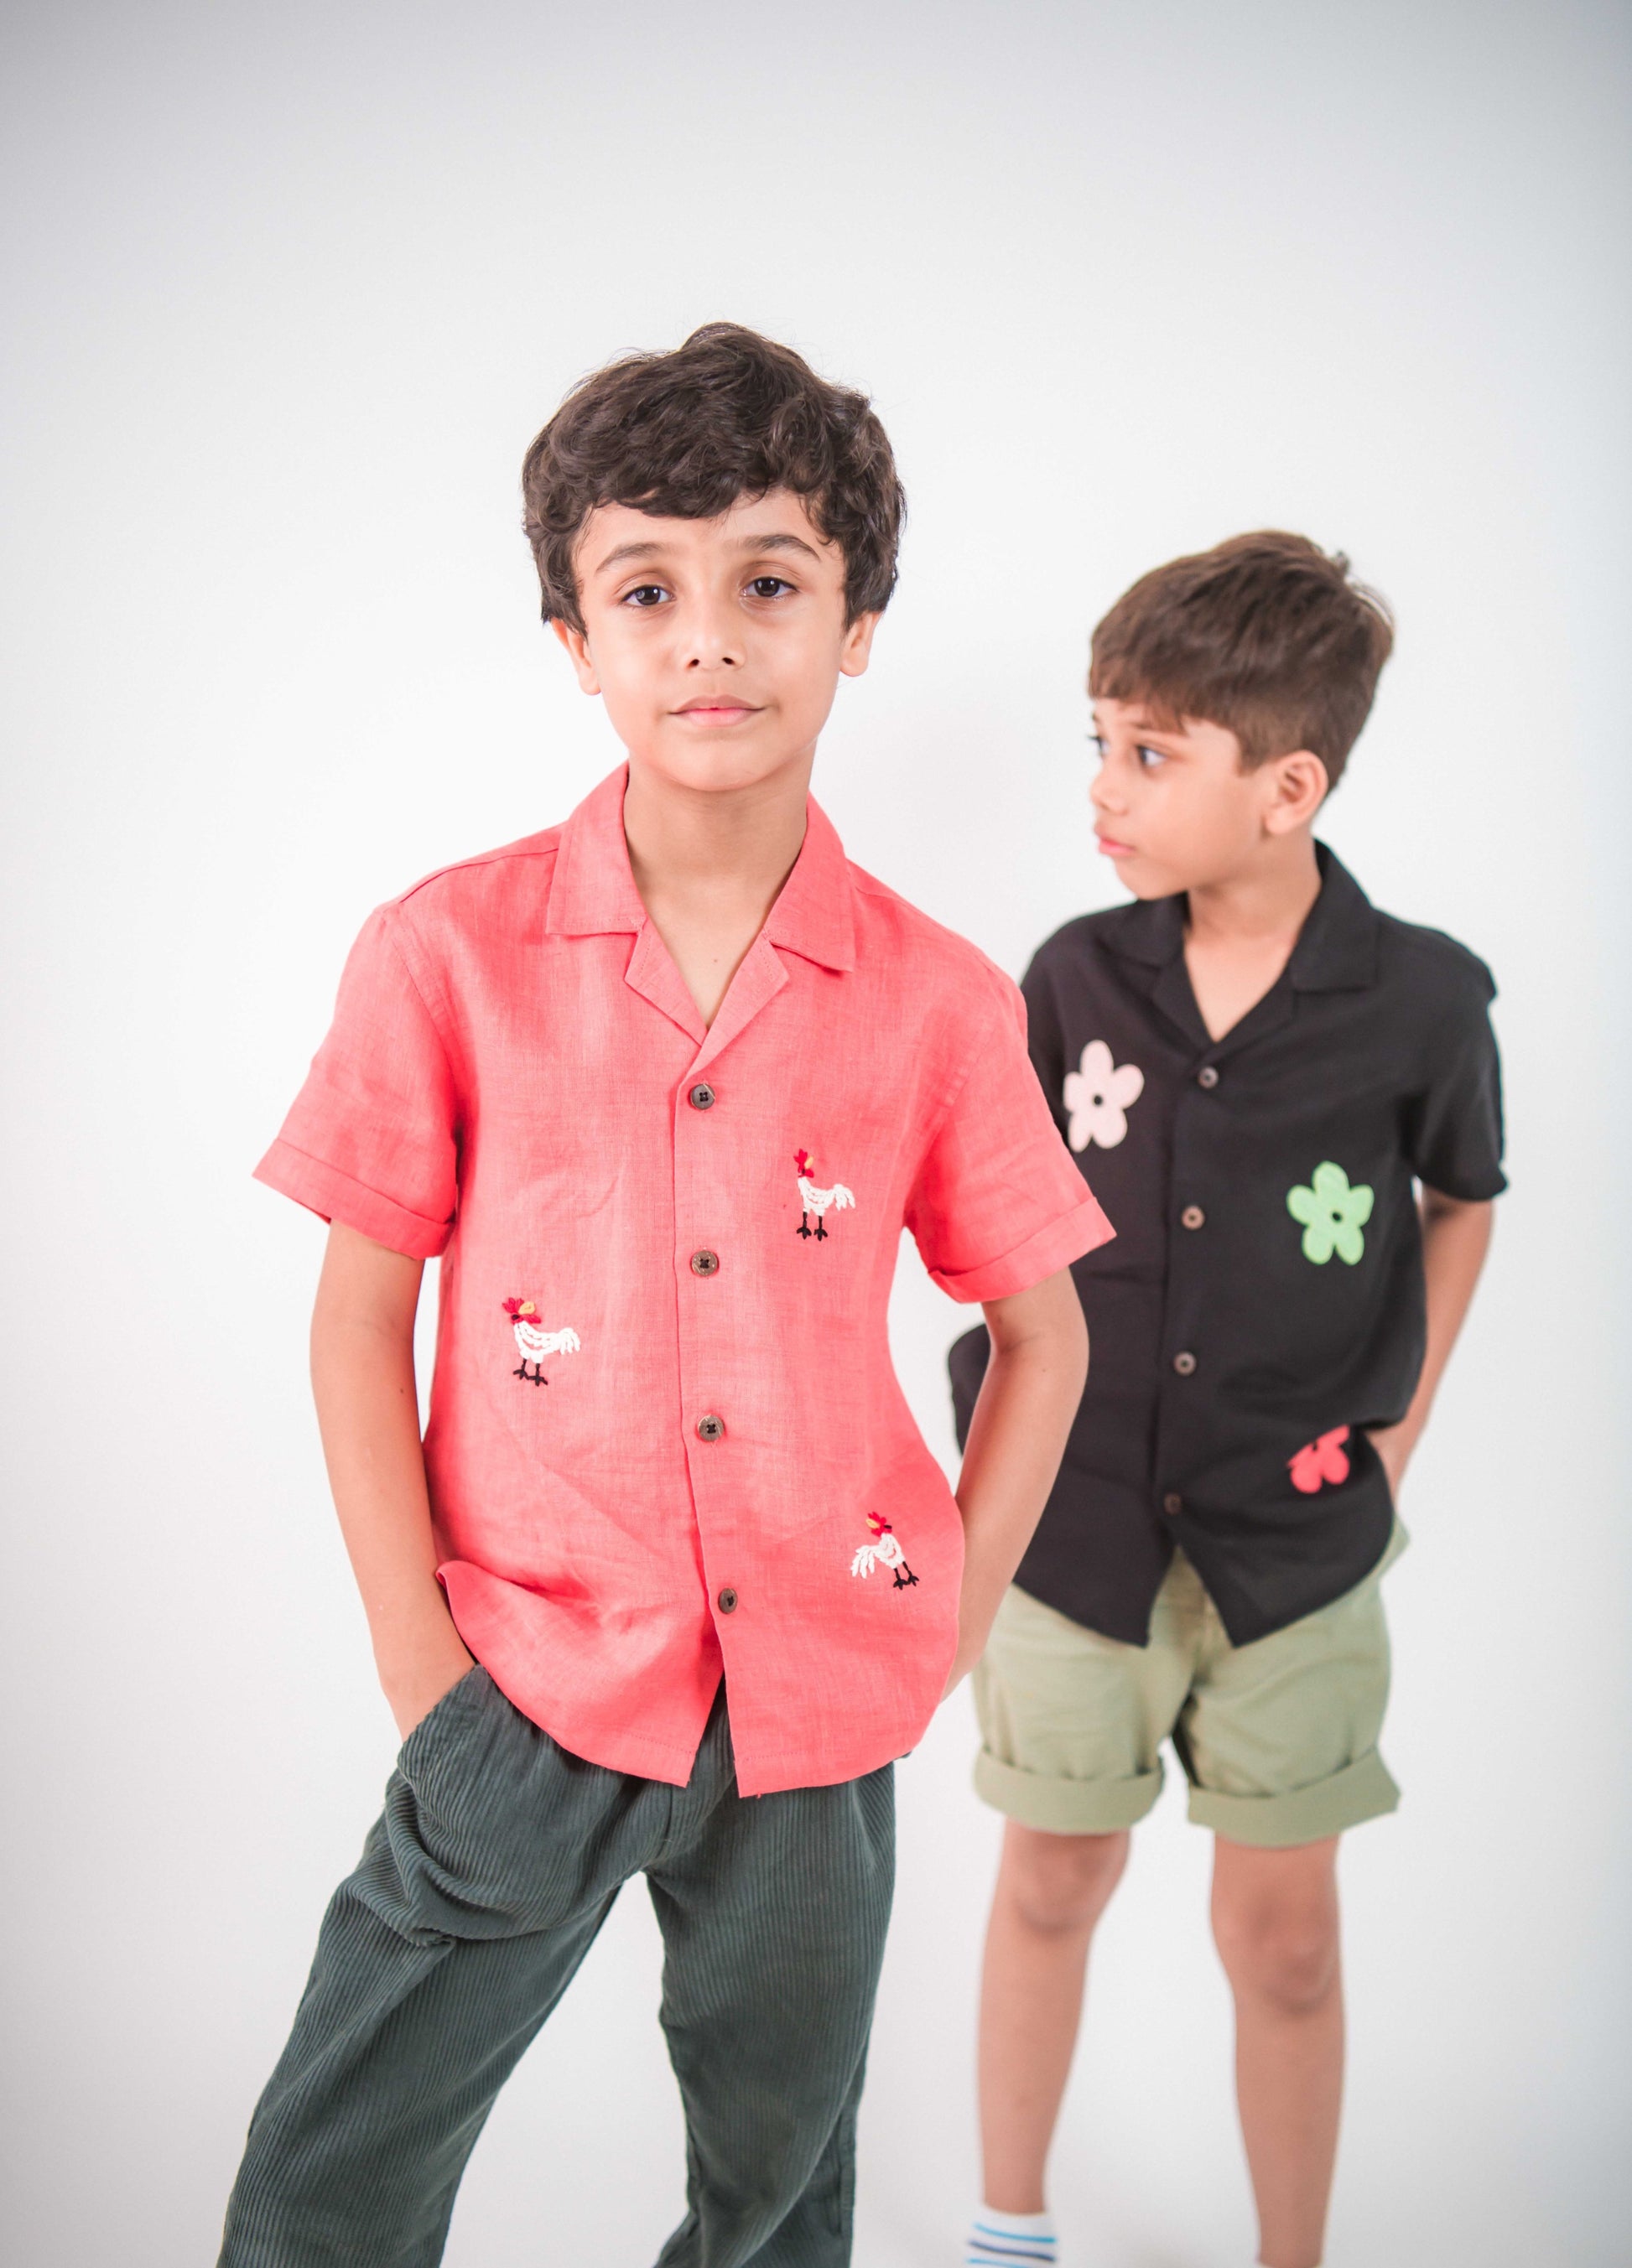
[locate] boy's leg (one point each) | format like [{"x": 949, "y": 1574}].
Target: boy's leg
[
  {"x": 479, "y": 1892},
  {"x": 1278, "y": 1740},
  {"x": 773, "y": 1917},
  {"x": 1275, "y": 1920},
  {"x": 1050, "y": 1892},
  {"x": 1072, "y": 1726}
]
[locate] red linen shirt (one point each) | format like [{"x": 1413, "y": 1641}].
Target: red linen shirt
[{"x": 665, "y": 1433}]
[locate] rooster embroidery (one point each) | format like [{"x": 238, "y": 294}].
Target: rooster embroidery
[
  {"x": 532, "y": 1344},
  {"x": 883, "y": 1551},
  {"x": 813, "y": 1200}
]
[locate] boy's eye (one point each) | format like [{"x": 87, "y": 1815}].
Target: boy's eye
[
  {"x": 645, "y": 594},
  {"x": 1096, "y": 742},
  {"x": 768, "y": 587},
  {"x": 1149, "y": 758}
]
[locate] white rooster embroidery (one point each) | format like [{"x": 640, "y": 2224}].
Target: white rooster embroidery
[
  {"x": 532, "y": 1344},
  {"x": 883, "y": 1551},
  {"x": 813, "y": 1200}
]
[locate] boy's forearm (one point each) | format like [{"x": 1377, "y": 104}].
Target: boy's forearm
[
  {"x": 367, "y": 1406},
  {"x": 1016, "y": 1437},
  {"x": 1456, "y": 1237}
]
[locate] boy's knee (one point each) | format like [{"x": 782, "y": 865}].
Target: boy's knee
[
  {"x": 1058, "y": 1884},
  {"x": 1288, "y": 1955}
]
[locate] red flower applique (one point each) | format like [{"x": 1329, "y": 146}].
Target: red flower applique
[{"x": 1320, "y": 1461}]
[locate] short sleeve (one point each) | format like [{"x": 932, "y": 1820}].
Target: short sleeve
[
  {"x": 372, "y": 1140},
  {"x": 1455, "y": 1134},
  {"x": 997, "y": 1203}
]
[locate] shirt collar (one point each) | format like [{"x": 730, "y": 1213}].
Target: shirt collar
[
  {"x": 1336, "y": 948},
  {"x": 594, "y": 891}
]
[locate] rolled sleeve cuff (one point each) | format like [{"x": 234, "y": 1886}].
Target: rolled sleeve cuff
[
  {"x": 1083, "y": 1229},
  {"x": 334, "y": 1196}
]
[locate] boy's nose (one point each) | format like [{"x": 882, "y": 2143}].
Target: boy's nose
[{"x": 714, "y": 642}]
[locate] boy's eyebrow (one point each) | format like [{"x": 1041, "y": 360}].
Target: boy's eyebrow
[
  {"x": 622, "y": 553},
  {"x": 779, "y": 544}
]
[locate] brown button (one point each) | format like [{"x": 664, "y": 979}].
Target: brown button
[
  {"x": 705, "y": 1264},
  {"x": 702, "y": 1096},
  {"x": 1206, "y": 1076},
  {"x": 1184, "y": 1363},
  {"x": 710, "y": 1428},
  {"x": 1172, "y": 1504},
  {"x": 726, "y": 1601},
  {"x": 1192, "y": 1216}
]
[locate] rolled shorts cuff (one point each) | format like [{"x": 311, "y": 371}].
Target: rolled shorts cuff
[
  {"x": 1362, "y": 1789},
  {"x": 1065, "y": 1807}
]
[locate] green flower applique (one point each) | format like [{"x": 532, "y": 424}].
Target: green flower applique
[{"x": 1333, "y": 1215}]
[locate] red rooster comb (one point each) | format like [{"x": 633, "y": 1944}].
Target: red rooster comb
[
  {"x": 514, "y": 1307},
  {"x": 802, "y": 1161},
  {"x": 879, "y": 1525}
]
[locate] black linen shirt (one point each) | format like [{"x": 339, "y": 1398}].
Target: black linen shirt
[{"x": 1263, "y": 1302}]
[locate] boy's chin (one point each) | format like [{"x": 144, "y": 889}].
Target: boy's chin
[
  {"x": 715, "y": 764},
  {"x": 1149, "y": 878}
]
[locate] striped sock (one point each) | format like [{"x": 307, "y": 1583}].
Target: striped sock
[{"x": 1011, "y": 2239}]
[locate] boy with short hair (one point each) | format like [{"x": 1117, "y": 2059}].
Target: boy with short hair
[
  {"x": 672, "y": 1578},
  {"x": 1256, "y": 1066}
]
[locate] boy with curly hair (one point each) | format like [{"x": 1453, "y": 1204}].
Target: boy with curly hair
[
  {"x": 671, "y": 1580},
  {"x": 1262, "y": 1072}
]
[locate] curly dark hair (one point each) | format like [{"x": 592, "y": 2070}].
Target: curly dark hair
[
  {"x": 684, "y": 434},
  {"x": 1266, "y": 635}
]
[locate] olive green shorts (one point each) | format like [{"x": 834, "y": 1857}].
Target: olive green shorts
[{"x": 1278, "y": 1739}]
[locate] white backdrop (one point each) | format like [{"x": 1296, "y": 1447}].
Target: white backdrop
[{"x": 289, "y": 290}]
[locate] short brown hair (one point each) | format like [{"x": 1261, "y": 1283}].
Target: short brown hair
[
  {"x": 1266, "y": 635},
  {"x": 684, "y": 434}
]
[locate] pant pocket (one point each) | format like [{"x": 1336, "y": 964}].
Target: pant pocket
[{"x": 456, "y": 1851}]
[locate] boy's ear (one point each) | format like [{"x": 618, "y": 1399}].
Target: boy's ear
[
  {"x": 577, "y": 644},
  {"x": 1296, "y": 788},
  {"x": 857, "y": 650}
]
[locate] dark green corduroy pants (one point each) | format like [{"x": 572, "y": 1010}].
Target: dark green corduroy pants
[{"x": 480, "y": 1890}]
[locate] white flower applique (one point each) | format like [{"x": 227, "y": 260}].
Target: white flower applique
[
  {"x": 1099, "y": 1096},
  {"x": 534, "y": 1345},
  {"x": 883, "y": 1551},
  {"x": 813, "y": 1200}
]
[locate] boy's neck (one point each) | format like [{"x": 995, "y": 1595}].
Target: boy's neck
[
  {"x": 1239, "y": 933},
  {"x": 1266, "y": 900},
  {"x": 731, "y": 840},
  {"x": 709, "y": 865}
]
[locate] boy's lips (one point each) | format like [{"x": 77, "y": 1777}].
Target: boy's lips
[
  {"x": 1111, "y": 847},
  {"x": 717, "y": 712}
]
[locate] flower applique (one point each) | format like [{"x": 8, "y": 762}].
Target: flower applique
[
  {"x": 534, "y": 1345},
  {"x": 1332, "y": 1214},
  {"x": 813, "y": 1200},
  {"x": 1322, "y": 1459},
  {"x": 1099, "y": 1096},
  {"x": 883, "y": 1551}
]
